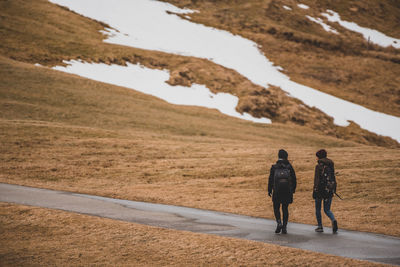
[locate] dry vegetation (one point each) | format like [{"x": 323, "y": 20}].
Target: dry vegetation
[
  {"x": 41, "y": 237},
  {"x": 343, "y": 65},
  {"x": 64, "y": 132},
  {"x": 32, "y": 32}
]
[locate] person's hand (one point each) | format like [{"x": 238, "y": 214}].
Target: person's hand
[{"x": 269, "y": 194}]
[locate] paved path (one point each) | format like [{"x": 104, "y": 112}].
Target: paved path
[{"x": 357, "y": 245}]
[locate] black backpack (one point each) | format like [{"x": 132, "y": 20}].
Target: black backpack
[
  {"x": 327, "y": 182},
  {"x": 282, "y": 179}
]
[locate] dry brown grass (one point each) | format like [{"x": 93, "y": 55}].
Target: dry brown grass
[
  {"x": 39, "y": 32},
  {"x": 64, "y": 132},
  {"x": 34, "y": 236},
  {"x": 342, "y": 65}
]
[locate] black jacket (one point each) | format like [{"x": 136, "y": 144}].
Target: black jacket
[
  {"x": 318, "y": 173},
  {"x": 288, "y": 197}
]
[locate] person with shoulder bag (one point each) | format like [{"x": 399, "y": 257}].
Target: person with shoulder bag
[
  {"x": 282, "y": 186},
  {"x": 324, "y": 189}
]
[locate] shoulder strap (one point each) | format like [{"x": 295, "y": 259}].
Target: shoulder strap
[{"x": 284, "y": 165}]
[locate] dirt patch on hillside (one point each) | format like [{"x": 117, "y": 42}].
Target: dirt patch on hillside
[
  {"x": 34, "y": 36},
  {"x": 344, "y": 65}
]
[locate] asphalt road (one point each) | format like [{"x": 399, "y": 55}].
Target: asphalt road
[{"x": 357, "y": 245}]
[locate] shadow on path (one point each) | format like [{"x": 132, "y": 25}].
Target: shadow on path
[{"x": 356, "y": 245}]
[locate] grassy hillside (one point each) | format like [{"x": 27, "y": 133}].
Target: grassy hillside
[
  {"x": 64, "y": 132},
  {"x": 343, "y": 65},
  {"x": 40, "y": 32},
  {"x": 61, "y": 131}
]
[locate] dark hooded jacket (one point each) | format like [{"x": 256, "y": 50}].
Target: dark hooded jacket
[
  {"x": 287, "y": 197},
  {"x": 318, "y": 173}
]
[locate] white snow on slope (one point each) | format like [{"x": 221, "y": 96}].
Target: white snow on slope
[
  {"x": 374, "y": 36},
  {"x": 153, "y": 82},
  {"x": 323, "y": 24},
  {"x": 287, "y": 8},
  {"x": 303, "y": 6},
  {"x": 146, "y": 24}
]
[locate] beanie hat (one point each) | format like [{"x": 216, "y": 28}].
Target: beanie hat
[
  {"x": 282, "y": 154},
  {"x": 321, "y": 154}
]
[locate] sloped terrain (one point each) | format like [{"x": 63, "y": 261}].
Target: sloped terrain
[
  {"x": 31, "y": 35},
  {"x": 65, "y": 132},
  {"x": 344, "y": 65}
]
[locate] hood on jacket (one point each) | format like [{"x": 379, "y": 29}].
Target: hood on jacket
[{"x": 326, "y": 161}]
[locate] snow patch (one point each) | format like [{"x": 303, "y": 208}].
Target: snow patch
[
  {"x": 153, "y": 82},
  {"x": 150, "y": 27},
  {"x": 303, "y": 6},
  {"x": 323, "y": 24},
  {"x": 371, "y": 35},
  {"x": 287, "y": 8},
  {"x": 109, "y": 32}
]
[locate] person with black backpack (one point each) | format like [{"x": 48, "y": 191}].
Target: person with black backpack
[
  {"x": 282, "y": 186},
  {"x": 324, "y": 189}
]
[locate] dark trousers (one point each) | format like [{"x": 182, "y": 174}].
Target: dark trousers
[
  {"x": 327, "y": 209},
  {"x": 285, "y": 212}
]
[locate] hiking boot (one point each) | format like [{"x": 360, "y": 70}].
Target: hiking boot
[
  {"x": 319, "y": 229},
  {"x": 284, "y": 231},
  {"x": 334, "y": 227},
  {"x": 278, "y": 228}
]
